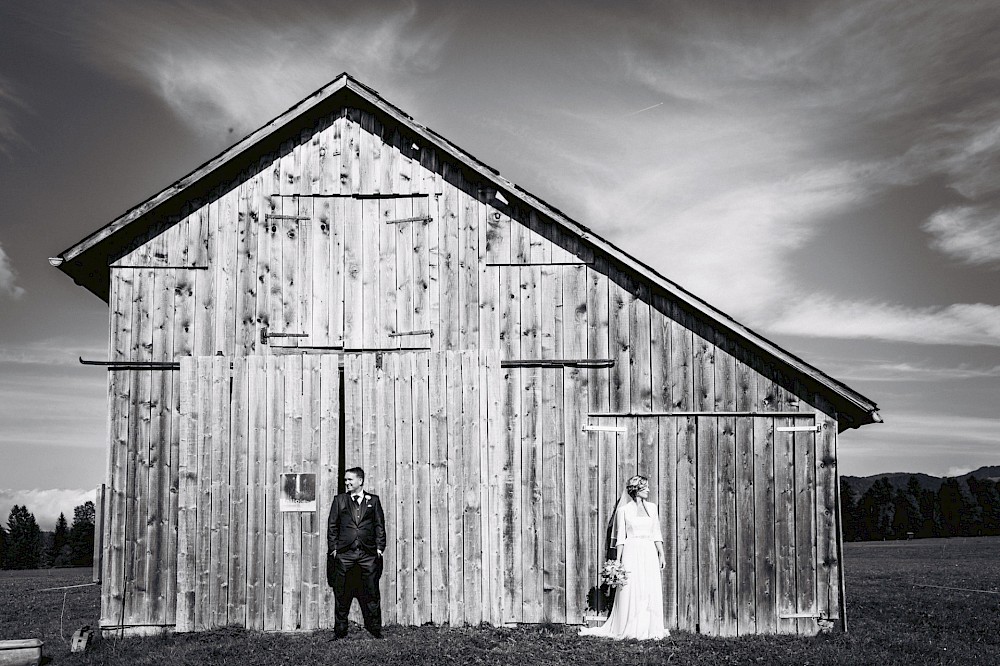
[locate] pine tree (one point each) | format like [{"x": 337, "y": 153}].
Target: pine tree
[
  {"x": 59, "y": 551},
  {"x": 958, "y": 514},
  {"x": 906, "y": 516},
  {"x": 875, "y": 511},
  {"x": 24, "y": 548},
  {"x": 81, "y": 535},
  {"x": 3, "y": 547},
  {"x": 848, "y": 511},
  {"x": 987, "y": 495}
]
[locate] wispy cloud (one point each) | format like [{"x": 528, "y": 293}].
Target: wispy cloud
[
  {"x": 8, "y": 277},
  {"x": 958, "y": 324},
  {"x": 45, "y": 504},
  {"x": 50, "y": 351},
  {"x": 968, "y": 233},
  {"x": 239, "y": 65},
  {"x": 882, "y": 371}
]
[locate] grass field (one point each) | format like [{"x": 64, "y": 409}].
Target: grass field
[{"x": 891, "y": 621}]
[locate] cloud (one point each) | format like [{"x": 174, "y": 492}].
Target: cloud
[
  {"x": 933, "y": 443},
  {"x": 957, "y": 324},
  {"x": 968, "y": 233},
  {"x": 7, "y": 274},
  {"x": 56, "y": 351},
  {"x": 45, "y": 504},
  {"x": 881, "y": 371},
  {"x": 239, "y": 65}
]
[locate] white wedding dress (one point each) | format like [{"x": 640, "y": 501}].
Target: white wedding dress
[{"x": 638, "y": 607}]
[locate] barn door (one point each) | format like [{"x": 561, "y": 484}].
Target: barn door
[
  {"x": 258, "y": 467},
  {"x": 418, "y": 423},
  {"x": 302, "y": 270}
]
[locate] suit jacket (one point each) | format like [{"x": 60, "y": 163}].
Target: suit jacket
[{"x": 346, "y": 530}]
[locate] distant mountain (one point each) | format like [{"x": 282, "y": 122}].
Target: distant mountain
[{"x": 860, "y": 484}]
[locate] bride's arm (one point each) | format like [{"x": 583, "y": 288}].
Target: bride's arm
[
  {"x": 658, "y": 539},
  {"x": 620, "y": 532}
]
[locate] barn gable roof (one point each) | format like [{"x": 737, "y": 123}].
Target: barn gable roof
[{"x": 87, "y": 262}]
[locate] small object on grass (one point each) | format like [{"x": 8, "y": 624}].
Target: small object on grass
[
  {"x": 24, "y": 652},
  {"x": 613, "y": 574},
  {"x": 81, "y": 639}
]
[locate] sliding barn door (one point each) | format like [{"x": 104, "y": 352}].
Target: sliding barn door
[
  {"x": 748, "y": 514},
  {"x": 258, "y": 470},
  {"x": 418, "y": 423}
]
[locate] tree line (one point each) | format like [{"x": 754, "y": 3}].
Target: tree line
[
  {"x": 23, "y": 545},
  {"x": 887, "y": 512}
]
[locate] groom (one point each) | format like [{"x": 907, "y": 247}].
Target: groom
[{"x": 355, "y": 543}]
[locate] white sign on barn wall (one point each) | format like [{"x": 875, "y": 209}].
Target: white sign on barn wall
[{"x": 298, "y": 492}]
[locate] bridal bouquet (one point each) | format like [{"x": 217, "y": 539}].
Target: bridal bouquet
[{"x": 613, "y": 574}]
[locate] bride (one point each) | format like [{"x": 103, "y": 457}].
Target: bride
[{"x": 638, "y": 606}]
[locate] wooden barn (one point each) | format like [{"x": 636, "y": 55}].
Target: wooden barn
[{"x": 346, "y": 287}]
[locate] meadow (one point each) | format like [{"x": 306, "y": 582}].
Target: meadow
[{"x": 898, "y": 613}]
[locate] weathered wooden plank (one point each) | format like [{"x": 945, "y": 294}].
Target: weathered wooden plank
[
  {"x": 339, "y": 209},
  {"x": 492, "y": 470},
  {"x": 256, "y": 484},
  {"x": 582, "y": 558},
  {"x": 206, "y": 441},
  {"x": 827, "y": 513},
  {"x": 291, "y": 274},
  {"x": 784, "y": 524},
  {"x": 329, "y": 476},
  {"x": 640, "y": 350},
  {"x": 764, "y": 519},
  {"x": 352, "y": 147},
  {"x": 422, "y": 602},
  {"x": 468, "y": 267},
  {"x": 273, "y": 528},
  {"x": 448, "y": 274},
  {"x": 269, "y": 257},
  {"x": 312, "y": 530},
  {"x": 187, "y": 498},
  {"x": 804, "y": 445},
  {"x": 290, "y": 168},
  {"x": 403, "y": 298},
  {"x": 218, "y": 589},
  {"x": 553, "y": 500},
  {"x": 708, "y": 520},
  {"x": 520, "y": 238},
  {"x": 120, "y": 415},
  {"x": 688, "y": 599},
  {"x": 659, "y": 354},
  {"x": 291, "y": 589},
  {"x": 456, "y": 491},
  {"x": 531, "y": 312},
  {"x": 321, "y": 274},
  {"x": 136, "y": 596},
  {"x": 353, "y": 284},
  {"x": 540, "y": 246},
  {"x": 597, "y": 336},
  {"x": 387, "y": 283},
  {"x": 510, "y": 345},
  {"x": 248, "y": 224},
  {"x": 303, "y": 269},
  {"x": 422, "y": 232},
  {"x": 746, "y": 611},
  {"x": 329, "y": 157},
  {"x": 225, "y": 225},
  {"x": 405, "y": 496},
  {"x": 309, "y": 145},
  {"x": 237, "y": 500},
  {"x": 531, "y": 494},
  {"x": 667, "y": 504},
  {"x": 497, "y": 234},
  {"x": 371, "y": 228},
  {"x": 439, "y": 506},
  {"x": 725, "y": 400},
  {"x": 473, "y": 536},
  {"x": 619, "y": 306},
  {"x": 370, "y": 155},
  {"x": 157, "y": 566},
  {"x": 385, "y": 481}
]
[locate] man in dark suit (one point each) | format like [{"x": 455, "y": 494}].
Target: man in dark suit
[{"x": 355, "y": 543}]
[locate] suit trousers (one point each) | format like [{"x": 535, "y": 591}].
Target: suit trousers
[{"x": 355, "y": 575}]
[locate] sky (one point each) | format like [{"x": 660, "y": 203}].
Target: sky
[{"x": 827, "y": 173}]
